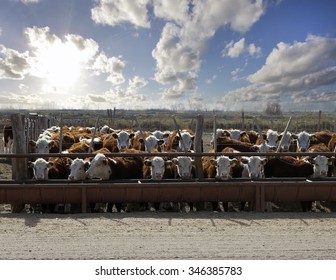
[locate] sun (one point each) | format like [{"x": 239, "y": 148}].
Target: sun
[{"x": 60, "y": 64}]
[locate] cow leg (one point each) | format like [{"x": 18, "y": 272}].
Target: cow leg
[
  {"x": 109, "y": 207},
  {"x": 118, "y": 206},
  {"x": 306, "y": 206},
  {"x": 92, "y": 207},
  {"x": 242, "y": 205}
]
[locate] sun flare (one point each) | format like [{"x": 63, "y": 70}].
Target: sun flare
[{"x": 60, "y": 64}]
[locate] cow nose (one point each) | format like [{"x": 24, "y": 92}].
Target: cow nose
[
  {"x": 285, "y": 148},
  {"x": 253, "y": 175},
  {"x": 303, "y": 150},
  {"x": 324, "y": 173},
  {"x": 71, "y": 177},
  {"x": 224, "y": 175}
]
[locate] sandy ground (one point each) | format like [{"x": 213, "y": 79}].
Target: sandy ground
[
  {"x": 147, "y": 235},
  {"x": 202, "y": 235}
]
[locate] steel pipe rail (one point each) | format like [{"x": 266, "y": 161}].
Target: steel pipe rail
[{"x": 84, "y": 192}]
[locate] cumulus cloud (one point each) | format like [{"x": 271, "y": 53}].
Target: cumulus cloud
[
  {"x": 114, "y": 12},
  {"x": 171, "y": 10},
  {"x": 30, "y": 1},
  {"x": 13, "y": 64},
  {"x": 178, "y": 52},
  {"x": 114, "y": 66},
  {"x": 297, "y": 71},
  {"x": 235, "y": 49},
  {"x": 136, "y": 83}
]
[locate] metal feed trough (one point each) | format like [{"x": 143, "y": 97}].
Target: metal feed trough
[{"x": 22, "y": 190}]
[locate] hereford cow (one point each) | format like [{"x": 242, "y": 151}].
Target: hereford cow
[
  {"x": 181, "y": 144},
  {"x": 221, "y": 169},
  {"x": 289, "y": 166},
  {"x": 123, "y": 139},
  {"x": 105, "y": 168},
  {"x": 8, "y": 139},
  {"x": 157, "y": 168}
]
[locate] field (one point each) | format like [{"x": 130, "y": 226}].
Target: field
[{"x": 147, "y": 235}]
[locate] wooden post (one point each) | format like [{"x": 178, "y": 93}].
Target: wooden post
[
  {"x": 198, "y": 145},
  {"x": 19, "y": 165},
  {"x": 319, "y": 121}
]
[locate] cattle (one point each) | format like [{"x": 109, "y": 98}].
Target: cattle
[
  {"x": 303, "y": 141},
  {"x": 148, "y": 144},
  {"x": 157, "y": 168},
  {"x": 185, "y": 167},
  {"x": 181, "y": 144},
  {"x": 289, "y": 166},
  {"x": 225, "y": 141},
  {"x": 236, "y": 134},
  {"x": 332, "y": 143},
  {"x": 221, "y": 169},
  {"x": 8, "y": 139},
  {"x": 287, "y": 142},
  {"x": 123, "y": 139},
  {"x": 105, "y": 168},
  {"x": 78, "y": 169},
  {"x": 54, "y": 168}
]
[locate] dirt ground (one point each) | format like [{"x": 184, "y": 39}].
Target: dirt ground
[{"x": 162, "y": 235}]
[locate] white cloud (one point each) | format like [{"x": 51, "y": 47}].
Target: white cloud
[
  {"x": 171, "y": 10},
  {"x": 234, "y": 50},
  {"x": 296, "y": 72},
  {"x": 114, "y": 66},
  {"x": 178, "y": 52},
  {"x": 30, "y": 1},
  {"x": 136, "y": 83},
  {"x": 13, "y": 64},
  {"x": 114, "y": 12}
]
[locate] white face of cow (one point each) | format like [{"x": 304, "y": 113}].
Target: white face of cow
[
  {"x": 186, "y": 142},
  {"x": 223, "y": 167},
  {"x": 123, "y": 138},
  {"x": 40, "y": 169},
  {"x": 157, "y": 168},
  {"x": 255, "y": 166},
  {"x": 43, "y": 146},
  {"x": 272, "y": 138},
  {"x": 321, "y": 164},
  {"x": 303, "y": 141},
  {"x": 286, "y": 142},
  {"x": 152, "y": 143},
  {"x": 77, "y": 169},
  {"x": 235, "y": 134},
  {"x": 184, "y": 166},
  {"x": 99, "y": 168}
]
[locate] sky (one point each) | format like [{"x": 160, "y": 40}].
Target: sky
[{"x": 228, "y": 55}]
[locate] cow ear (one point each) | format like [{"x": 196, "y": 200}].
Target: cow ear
[
  {"x": 213, "y": 162},
  {"x": 294, "y": 136},
  {"x": 115, "y": 135},
  {"x": 50, "y": 164},
  {"x": 244, "y": 159},
  {"x": 148, "y": 162},
  {"x": 131, "y": 135},
  {"x": 312, "y": 137},
  {"x": 51, "y": 143},
  {"x": 105, "y": 161},
  {"x": 233, "y": 162},
  {"x": 175, "y": 160},
  {"x": 160, "y": 142},
  {"x": 309, "y": 160},
  {"x": 86, "y": 165},
  {"x": 141, "y": 140},
  {"x": 30, "y": 164},
  {"x": 264, "y": 161},
  {"x": 32, "y": 142}
]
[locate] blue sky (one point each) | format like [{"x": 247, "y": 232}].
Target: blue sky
[{"x": 174, "y": 54}]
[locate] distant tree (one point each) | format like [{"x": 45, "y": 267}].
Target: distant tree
[{"x": 273, "y": 108}]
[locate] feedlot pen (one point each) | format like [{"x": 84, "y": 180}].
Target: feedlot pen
[{"x": 21, "y": 190}]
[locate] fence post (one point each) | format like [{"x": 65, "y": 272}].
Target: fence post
[
  {"x": 198, "y": 145},
  {"x": 19, "y": 165}
]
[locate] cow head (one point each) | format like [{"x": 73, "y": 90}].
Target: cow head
[
  {"x": 321, "y": 165},
  {"x": 78, "y": 168},
  {"x": 40, "y": 168},
  {"x": 254, "y": 166},
  {"x": 303, "y": 140},
  {"x": 184, "y": 166},
  {"x": 99, "y": 168},
  {"x": 151, "y": 143},
  {"x": 123, "y": 138},
  {"x": 223, "y": 167},
  {"x": 185, "y": 142},
  {"x": 286, "y": 141},
  {"x": 272, "y": 138},
  {"x": 42, "y": 145},
  {"x": 157, "y": 167}
]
